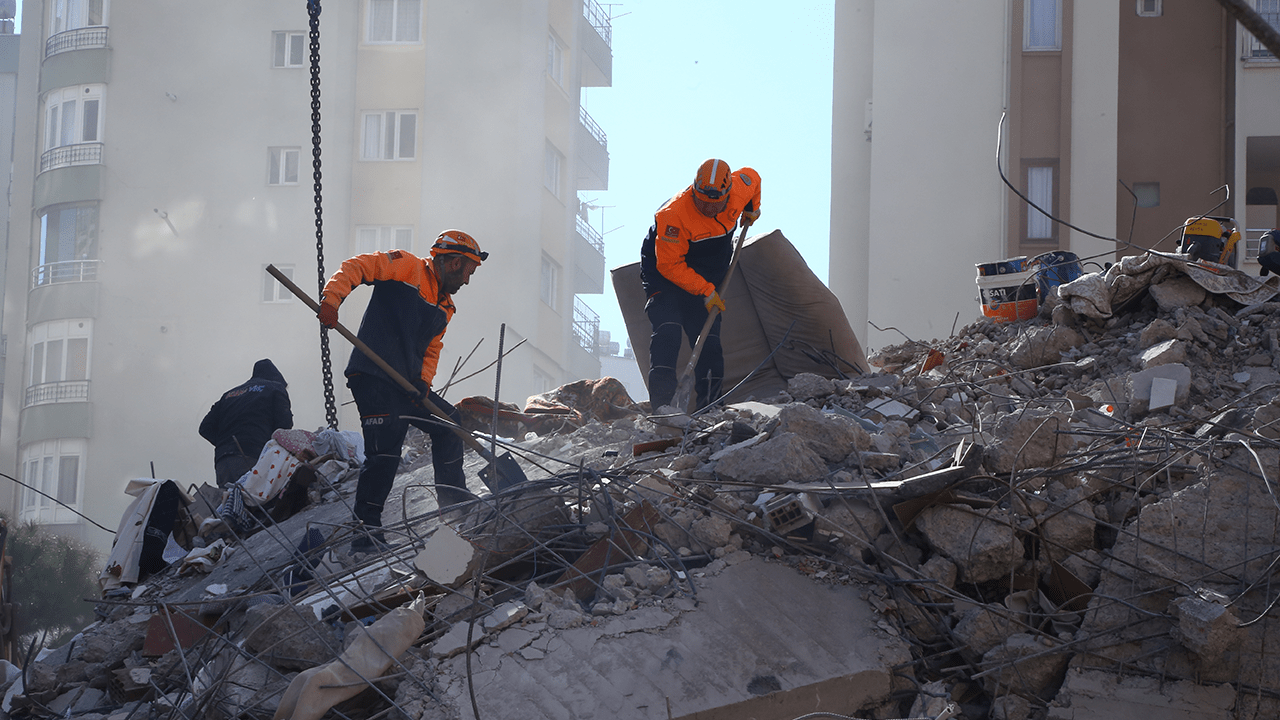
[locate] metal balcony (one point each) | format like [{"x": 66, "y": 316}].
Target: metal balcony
[
  {"x": 64, "y": 272},
  {"x": 68, "y": 155},
  {"x": 77, "y": 39},
  {"x": 56, "y": 392}
]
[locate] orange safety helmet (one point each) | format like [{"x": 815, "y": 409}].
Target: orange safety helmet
[
  {"x": 456, "y": 241},
  {"x": 713, "y": 181}
]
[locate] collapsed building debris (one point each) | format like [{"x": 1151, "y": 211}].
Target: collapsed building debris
[{"x": 1069, "y": 517}]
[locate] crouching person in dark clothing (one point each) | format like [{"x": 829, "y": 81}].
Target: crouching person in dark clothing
[{"x": 241, "y": 422}]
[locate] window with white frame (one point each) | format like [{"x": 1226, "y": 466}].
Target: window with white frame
[
  {"x": 393, "y": 21},
  {"x": 274, "y": 291},
  {"x": 549, "y": 287},
  {"x": 551, "y": 169},
  {"x": 381, "y": 238},
  {"x": 54, "y": 468},
  {"x": 74, "y": 14},
  {"x": 542, "y": 381},
  {"x": 555, "y": 58},
  {"x": 58, "y": 357},
  {"x": 1041, "y": 25},
  {"x": 389, "y": 135},
  {"x": 73, "y": 116},
  {"x": 288, "y": 49},
  {"x": 68, "y": 244},
  {"x": 1150, "y": 8},
  {"x": 1040, "y": 191},
  {"x": 283, "y": 168}
]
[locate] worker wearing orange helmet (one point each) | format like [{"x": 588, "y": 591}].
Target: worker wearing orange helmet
[
  {"x": 404, "y": 324},
  {"x": 682, "y": 260}
]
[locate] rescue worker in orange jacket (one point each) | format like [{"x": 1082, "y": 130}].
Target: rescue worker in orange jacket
[
  {"x": 684, "y": 257},
  {"x": 404, "y": 324}
]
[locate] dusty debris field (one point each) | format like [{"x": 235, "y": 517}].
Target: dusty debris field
[{"x": 1074, "y": 516}]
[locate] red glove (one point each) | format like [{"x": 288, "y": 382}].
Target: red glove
[{"x": 328, "y": 315}]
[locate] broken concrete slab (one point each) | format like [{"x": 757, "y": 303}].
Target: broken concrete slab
[
  {"x": 735, "y": 651},
  {"x": 1095, "y": 695},
  {"x": 1140, "y": 386}
]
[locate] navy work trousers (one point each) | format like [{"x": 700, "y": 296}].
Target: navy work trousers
[
  {"x": 386, "y": 412},
  {"x": 672, "y": 314}
]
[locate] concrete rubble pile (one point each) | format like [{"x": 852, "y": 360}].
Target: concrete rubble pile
[{"x": 1063, "y": 518}]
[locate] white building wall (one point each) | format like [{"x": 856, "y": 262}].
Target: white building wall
[
  {"x": 1094, "y": 129},
  {"x": 936, "y": 201}
]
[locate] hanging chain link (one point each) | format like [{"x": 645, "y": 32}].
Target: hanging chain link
[{"x": 326, "y": 363}]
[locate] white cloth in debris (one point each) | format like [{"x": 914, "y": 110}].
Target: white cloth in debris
[
  {"x": 122, "y": 565},
  {"x": 269, "y": 475},
  {"x": 344, "y": 444}
]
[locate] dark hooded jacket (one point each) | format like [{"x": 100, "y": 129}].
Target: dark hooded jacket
[{"x": 242, "y": 420}]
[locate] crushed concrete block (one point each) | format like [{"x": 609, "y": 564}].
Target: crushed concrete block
[
  {"x": 448, "y": 558},
  {"x": 851, "y": 524},
  {"x": 1140, "y": 385},
  {"x": 1010, "y": 707},
  {"x": 1068, "y": 526},
  {"x": 882, "y": 461},
  {"x": 504, "y": 616},
  {"x": 1157, "y": 330},
  {"x": 1043, "y": 346},
  {"x": 808, "y": 385},
  {"x": 984, "y": 627},
  {"x": 781, "y": 459},
  {"x": 1266, "y": 420},
  {"x": 1206, "y": 625},
  {"x": 1027, "y": 665},
  {"x": 1099, "y": 695},
  {"x": 830, "y": 435},
  {"x": 1032, "y": 439},
  {"x": 982, "y": 543},
  {"x": 1176, "y": 292},
  {"x": 289, "y": 639},
  {"x": 1163, "y": 353},
  {"x": 455, "y": 640}
]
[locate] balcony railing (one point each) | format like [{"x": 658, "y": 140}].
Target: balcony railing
[
  {"x": 64, "y": 272},
  {"x": 590, "y": 234},
  {"x": 56, "y": 392},
  {"x": 598, "y": 19},
  {"x": 590, "y": 124},
  {"x": 67, "y": 155},
  {"x": 1251, "y": 48},
  {"x": 78, "y": 39},
  {"x": 586, "y": 326}
]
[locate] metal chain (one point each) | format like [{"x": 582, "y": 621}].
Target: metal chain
[{"x": 326, "y": 363}]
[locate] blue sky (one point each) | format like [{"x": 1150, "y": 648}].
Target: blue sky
[{"x": 748, "y": 82}]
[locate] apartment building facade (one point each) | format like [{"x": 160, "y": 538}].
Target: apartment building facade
[
  {"x": 1123, "y": 119},
  {"x": 157, "y": 174}
]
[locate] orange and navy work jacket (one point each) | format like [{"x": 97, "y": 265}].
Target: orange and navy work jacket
[
  {"x": 689, "y": 250},
  {"x": 406, "y": 317}
]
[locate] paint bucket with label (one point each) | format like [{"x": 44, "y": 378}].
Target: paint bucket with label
[
  {"x": 1053, "y": 269},
  {"x": 1007, "y": 296}
]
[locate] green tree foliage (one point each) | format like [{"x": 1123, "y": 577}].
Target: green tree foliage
[{"x": 52, "y": 575}]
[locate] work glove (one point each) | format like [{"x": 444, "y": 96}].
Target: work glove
[
  {"x": 749, "y": 217},
  {"x": 328, "y": 315},
  {"x": 713, "y": 301}
]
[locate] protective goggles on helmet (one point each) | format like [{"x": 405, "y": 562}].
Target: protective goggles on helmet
[
  {"x": 713, "y": 180},
  {"x": 456, "y": 241}
]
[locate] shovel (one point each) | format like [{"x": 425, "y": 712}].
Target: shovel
[
  {"x": 502, "y": 472},
  {"x": 684, "y": 388}
]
